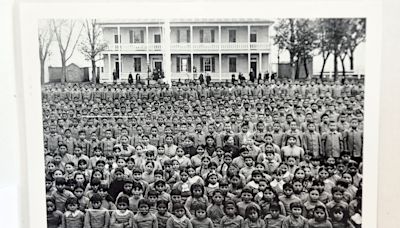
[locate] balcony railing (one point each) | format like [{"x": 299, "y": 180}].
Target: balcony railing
[{"x": 191, "y": 47}]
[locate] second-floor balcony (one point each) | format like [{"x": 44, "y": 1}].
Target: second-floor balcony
[{"x": 191, "y": 47}]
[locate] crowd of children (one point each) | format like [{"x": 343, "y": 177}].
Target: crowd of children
[{"x": 229, "y": 154}]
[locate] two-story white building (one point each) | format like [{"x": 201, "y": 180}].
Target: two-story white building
[{"x": 185, "y": 48}]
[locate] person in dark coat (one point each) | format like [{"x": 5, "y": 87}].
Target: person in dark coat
[
  {"x": 130, "y": 78},
  {"x": 201, "y": 79},
  {"x": 208, "y": 79}
]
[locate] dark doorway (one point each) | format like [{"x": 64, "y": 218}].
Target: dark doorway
[
  {"x": 117, "y": 69},
  {"x": 253, "y": 65},
  {"x": 158, "y": 66}
]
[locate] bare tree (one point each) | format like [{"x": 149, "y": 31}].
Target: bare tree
[
  {"x": 45, "y": 37},
  {"x": 67, "y": 39},
  {"x": 92, "y": 45}
]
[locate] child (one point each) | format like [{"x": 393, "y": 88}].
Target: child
[
  {"x": 183, "y": 185},
  {"x": 99, "y": 217},
  {"x": 338, "y": 199},
  {"x": 137, "y": 195},
  {"x": 107, "y": 201},
  {"x": 72, "y": 218},
  {"x": 200, "y": 219},
  {"x": 196, "y": 159},
  {"x": 340, "y": 217},
  {"x": 122, "y": 217},
  {"x": 144, "y": 219},
  {"x": 203, "y": 169},
  {"x": 82, "y": 200},
  {"x": 295, "y": 219},
  {"x": 197, "y": 196},
  {"x": 152, "y": 196},
  {"x": 312, "y": 141},
  {"x": 312, "y": 202},
  {"x": 61, "y": 195},
  {"x": 288, "y": 198},
  {"x": 54, "y": 217},
  {"x": 117, "y": 185},
  {"x": 332, "y": 141},
  {"x": 178, "y": 219},
  {"x": 231, "y": 218},
  {"x": 211, "y": 183},
  {"x": 162, "y": 213},
  {"x": 275, "y": 218},
  {"x": 216, "y": 210},
  {"x": 252, "y": 218},
  {"x": 49, "y": 186},
  {"x": 248, "y": 167},
  {"x": 183, "y": 160},
  {"x": 320, "y": 219},
  {"x": 246, "y": 200}
]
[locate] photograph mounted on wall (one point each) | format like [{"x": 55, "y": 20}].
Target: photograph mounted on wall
[{"x": 203, "y": 122}]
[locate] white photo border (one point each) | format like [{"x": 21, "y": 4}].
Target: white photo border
[{"x": 33, "y": 196}]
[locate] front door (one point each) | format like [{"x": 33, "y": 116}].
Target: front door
[
  {"x": 158, "y": 66},
  {"x": 117, "y": 70},
  {"x": 253, "y": 65}
]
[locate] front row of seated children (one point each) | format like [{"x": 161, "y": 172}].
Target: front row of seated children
[{"x": 221, "y": 208}]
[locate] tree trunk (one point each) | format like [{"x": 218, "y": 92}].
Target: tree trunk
[
  {"x": 321, "y": 74},
  {"x": 296, "y": 76},
  {"x": 42, "y": 71},
  {"x": 305, "y": 67},
  {"x": 63, "y": 69},
  {"x": 351, "y": 58},
  {"x": 343, "y": 66},
  {"x": 335, "y": 66},
  {"x": 292, "y": 66},
  {"x": 94, "y": 78}
]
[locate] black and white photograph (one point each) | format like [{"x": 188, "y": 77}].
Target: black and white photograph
[
  {"x": 195, "y": 123},
  {"x": 220, "y": 121}
]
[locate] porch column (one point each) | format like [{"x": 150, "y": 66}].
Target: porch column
[
  {"x": 191, "y": 52},
  {"x": 248, "y": 36},
  {"x": 220, "y": 66},
  {"x": 109, "y": 67},
  {"x": 167, "y": 51},
  {"x": 260, "y": 59},
  {"x": 147, "y": 65},
  {"x": 147, "y": 38},
  {"x": 119, "y": 53},
  {"x": 248, "y": 63}
]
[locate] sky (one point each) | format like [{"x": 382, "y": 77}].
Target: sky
[{"x": 359, "y": 61}]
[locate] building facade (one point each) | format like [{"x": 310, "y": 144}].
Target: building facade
[{"x": 185, "y": 48}]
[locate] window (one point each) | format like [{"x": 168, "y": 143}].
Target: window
[
  {"x": 253, "y": 37},
  {"x": 137, "y": 64},
  {"x": 212, "y": 36},
  {"x": 232, "y": 36},
  {"x": 207, "y": 64},
  {"x": 188, "y": 36},
  {"x": 201, "y": 35},
  {"x": 139, "y": 36},
  {"x": 116, "y": 40},
  {"x": 130, "y": 36},
  {"x": 178, "y": 34},
  {"x": 157, "y": 38},
  {"x": 232, "y": 64}
]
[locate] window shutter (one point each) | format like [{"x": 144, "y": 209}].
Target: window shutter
[
  {"x": 212, "y": 36},
  {"x": 201, "y": 36},
  {"x": 130, "y": 36},
  {"x": 213, "y": 64},
  {"x": 201, "y": 64},
  {"x": 141, "y": 36},
  {"x": 178, "y": 38},
  {"x": 189, "y": 65},
  {"x": 178, "y": 64},
  {"x": 116, "y": 39},
  {"x": 188, "y": 36}
]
